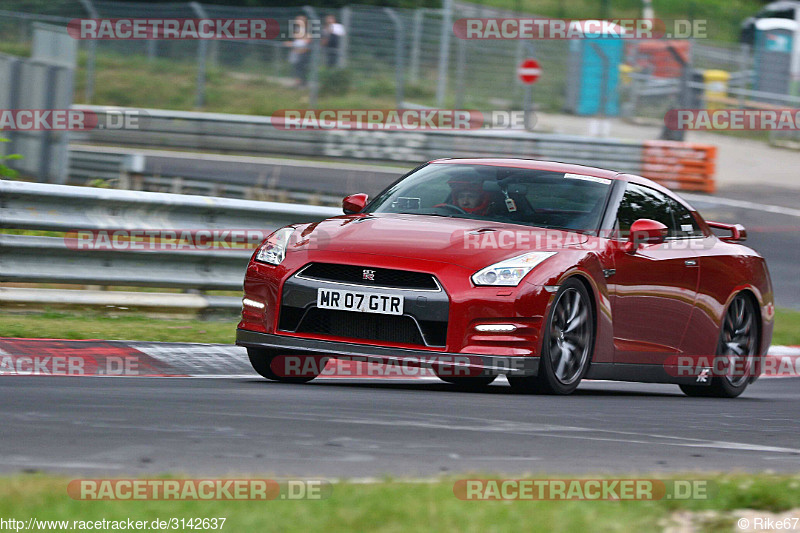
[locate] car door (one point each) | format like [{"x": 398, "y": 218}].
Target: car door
[{"x": 653, "y": 289}]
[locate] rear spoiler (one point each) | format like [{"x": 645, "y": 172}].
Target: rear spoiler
[{"x": 738, "y": 233}]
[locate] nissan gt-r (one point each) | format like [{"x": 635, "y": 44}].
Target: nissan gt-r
[{"x": 548, "y": 273}]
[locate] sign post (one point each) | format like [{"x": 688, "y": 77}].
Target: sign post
[{"x": 528, "y": 72}]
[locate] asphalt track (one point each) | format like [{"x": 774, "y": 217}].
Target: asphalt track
[
  {"x": 351, "y": 429},
  {"x": 772, "y": 218}
]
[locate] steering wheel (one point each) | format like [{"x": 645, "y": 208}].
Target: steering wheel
[{"x": 453, "y": 208}]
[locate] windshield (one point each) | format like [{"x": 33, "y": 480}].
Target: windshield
[{"x": 500, "y": 194}]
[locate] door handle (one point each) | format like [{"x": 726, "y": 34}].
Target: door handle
[{"x": 690, "y": 262}]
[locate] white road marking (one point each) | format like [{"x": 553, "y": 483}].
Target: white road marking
[
  {"x": 768, "y": 208},
  {"x": 779, "y": 351},
  {"x": 541, "y": 430},
  {"x": 26, "y": 462}
]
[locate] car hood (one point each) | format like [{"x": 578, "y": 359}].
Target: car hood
[{"x": 472, "y": 244}]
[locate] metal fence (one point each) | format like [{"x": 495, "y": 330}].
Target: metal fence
[
  {"x": 677, "y": 165},
  {"x": 264, "y": 179},
  {"x": 44, "y": 81},
  {"x": 404, "y": 54},
  {"x": 410, "y": 54},
  {"x": 401, "y": 50},
  {"x": 59, "y": 208}
]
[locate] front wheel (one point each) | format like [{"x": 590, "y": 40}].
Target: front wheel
[
  {"x": 567, "y": 344},
  {"x": 737, "y": 347},
  {"x": 262, "y": 360}
]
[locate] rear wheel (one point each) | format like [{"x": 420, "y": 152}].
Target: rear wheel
[
  {"x": 567, "y": 344},
  {"x": 262, "y": 359},
  {"x": 737, "y": 347}
]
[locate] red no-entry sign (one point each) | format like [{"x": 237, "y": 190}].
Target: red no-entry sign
[{"x": 529, "y": 71}]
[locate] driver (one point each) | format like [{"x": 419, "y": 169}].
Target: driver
[{"x": 469, "y": 196}]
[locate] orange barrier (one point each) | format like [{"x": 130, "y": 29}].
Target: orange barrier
[
  {"x": 680, "y": 165},
  {"x": 655, "y": 55}
]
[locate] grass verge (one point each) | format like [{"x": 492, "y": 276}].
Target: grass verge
[
  {"x": 139, "y": 327},
  {"x": 132, "y": 327},
  {"x": 787, "y": 328},
  {"x": 391, "y": 505}
]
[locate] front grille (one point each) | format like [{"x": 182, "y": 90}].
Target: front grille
[
  {"x": 388, "y": 328},
  {"x": 367, "y": 326},
  {"x": 383, "y": 277}
]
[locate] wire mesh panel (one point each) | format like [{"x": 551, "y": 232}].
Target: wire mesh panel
[
  {"x": 256, "y": 57},
  {"x": 477, "y": 74},
  {"x": 175, "y": 50},
  {"x": 58, "y": 8}
]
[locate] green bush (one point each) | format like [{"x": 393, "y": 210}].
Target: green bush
[
  {"x": 380, "y": 86},
  {"x": 418, "y": 90},
  {"x": 6, "y": 172},
  {"x": 335, "y": 82}
]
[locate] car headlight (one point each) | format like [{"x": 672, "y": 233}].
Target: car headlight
[
  {"x": 510, "y": 272},
  {"x": 274, "y": 250}
]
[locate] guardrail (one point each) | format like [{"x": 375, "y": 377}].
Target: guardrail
[
  {"x": 43, "y": 206},
  {"x": 680, "y": 165},
  {"x": 253, "y": 178},
  {"x": 61, "y": 208}
]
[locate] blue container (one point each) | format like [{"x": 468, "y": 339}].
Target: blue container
[
  {"x": 773, "y": 55},
  {"x": 585, "y": 79}
]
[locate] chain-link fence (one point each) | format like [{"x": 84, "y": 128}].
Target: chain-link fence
[
  {"x": 400, "y": 56},
  {"x": 394, "y": 52}
]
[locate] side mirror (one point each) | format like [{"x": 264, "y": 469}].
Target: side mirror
[
  {"x": 355, "y": 203},
  {"x": 645, "y": 231}
]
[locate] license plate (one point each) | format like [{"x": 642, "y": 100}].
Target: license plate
[{"x": 363, "y": 302}]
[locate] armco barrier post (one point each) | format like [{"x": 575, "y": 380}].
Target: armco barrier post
[
  {"x": 444, "y": 51},
  {"x": 202, "y": 56},
  {"x": 313, "y": 78},
  {"x": 683, "y": 96},
  {"x": 461, "y": 59},
  {"x": 416, "y": 37},
  {"x": 344, "y": 45},
  {"x": 91, "y": 53},
  {"x": 399, "y": 54}
]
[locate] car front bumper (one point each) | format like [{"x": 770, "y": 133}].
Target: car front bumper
[{"x": 474, "y": 364}]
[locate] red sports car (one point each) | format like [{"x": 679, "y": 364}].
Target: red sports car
[{"x": 546, "y": 272}]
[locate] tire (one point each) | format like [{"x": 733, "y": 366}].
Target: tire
[
  {"x": 567, "y": 343},
  {"x": 738, "y": 338},
  {"x": 261, "y": 360}
]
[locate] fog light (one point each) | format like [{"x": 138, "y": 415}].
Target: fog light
[
  {"x": 496, "y": 328},
  {"x": 252, "y": 303}
]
